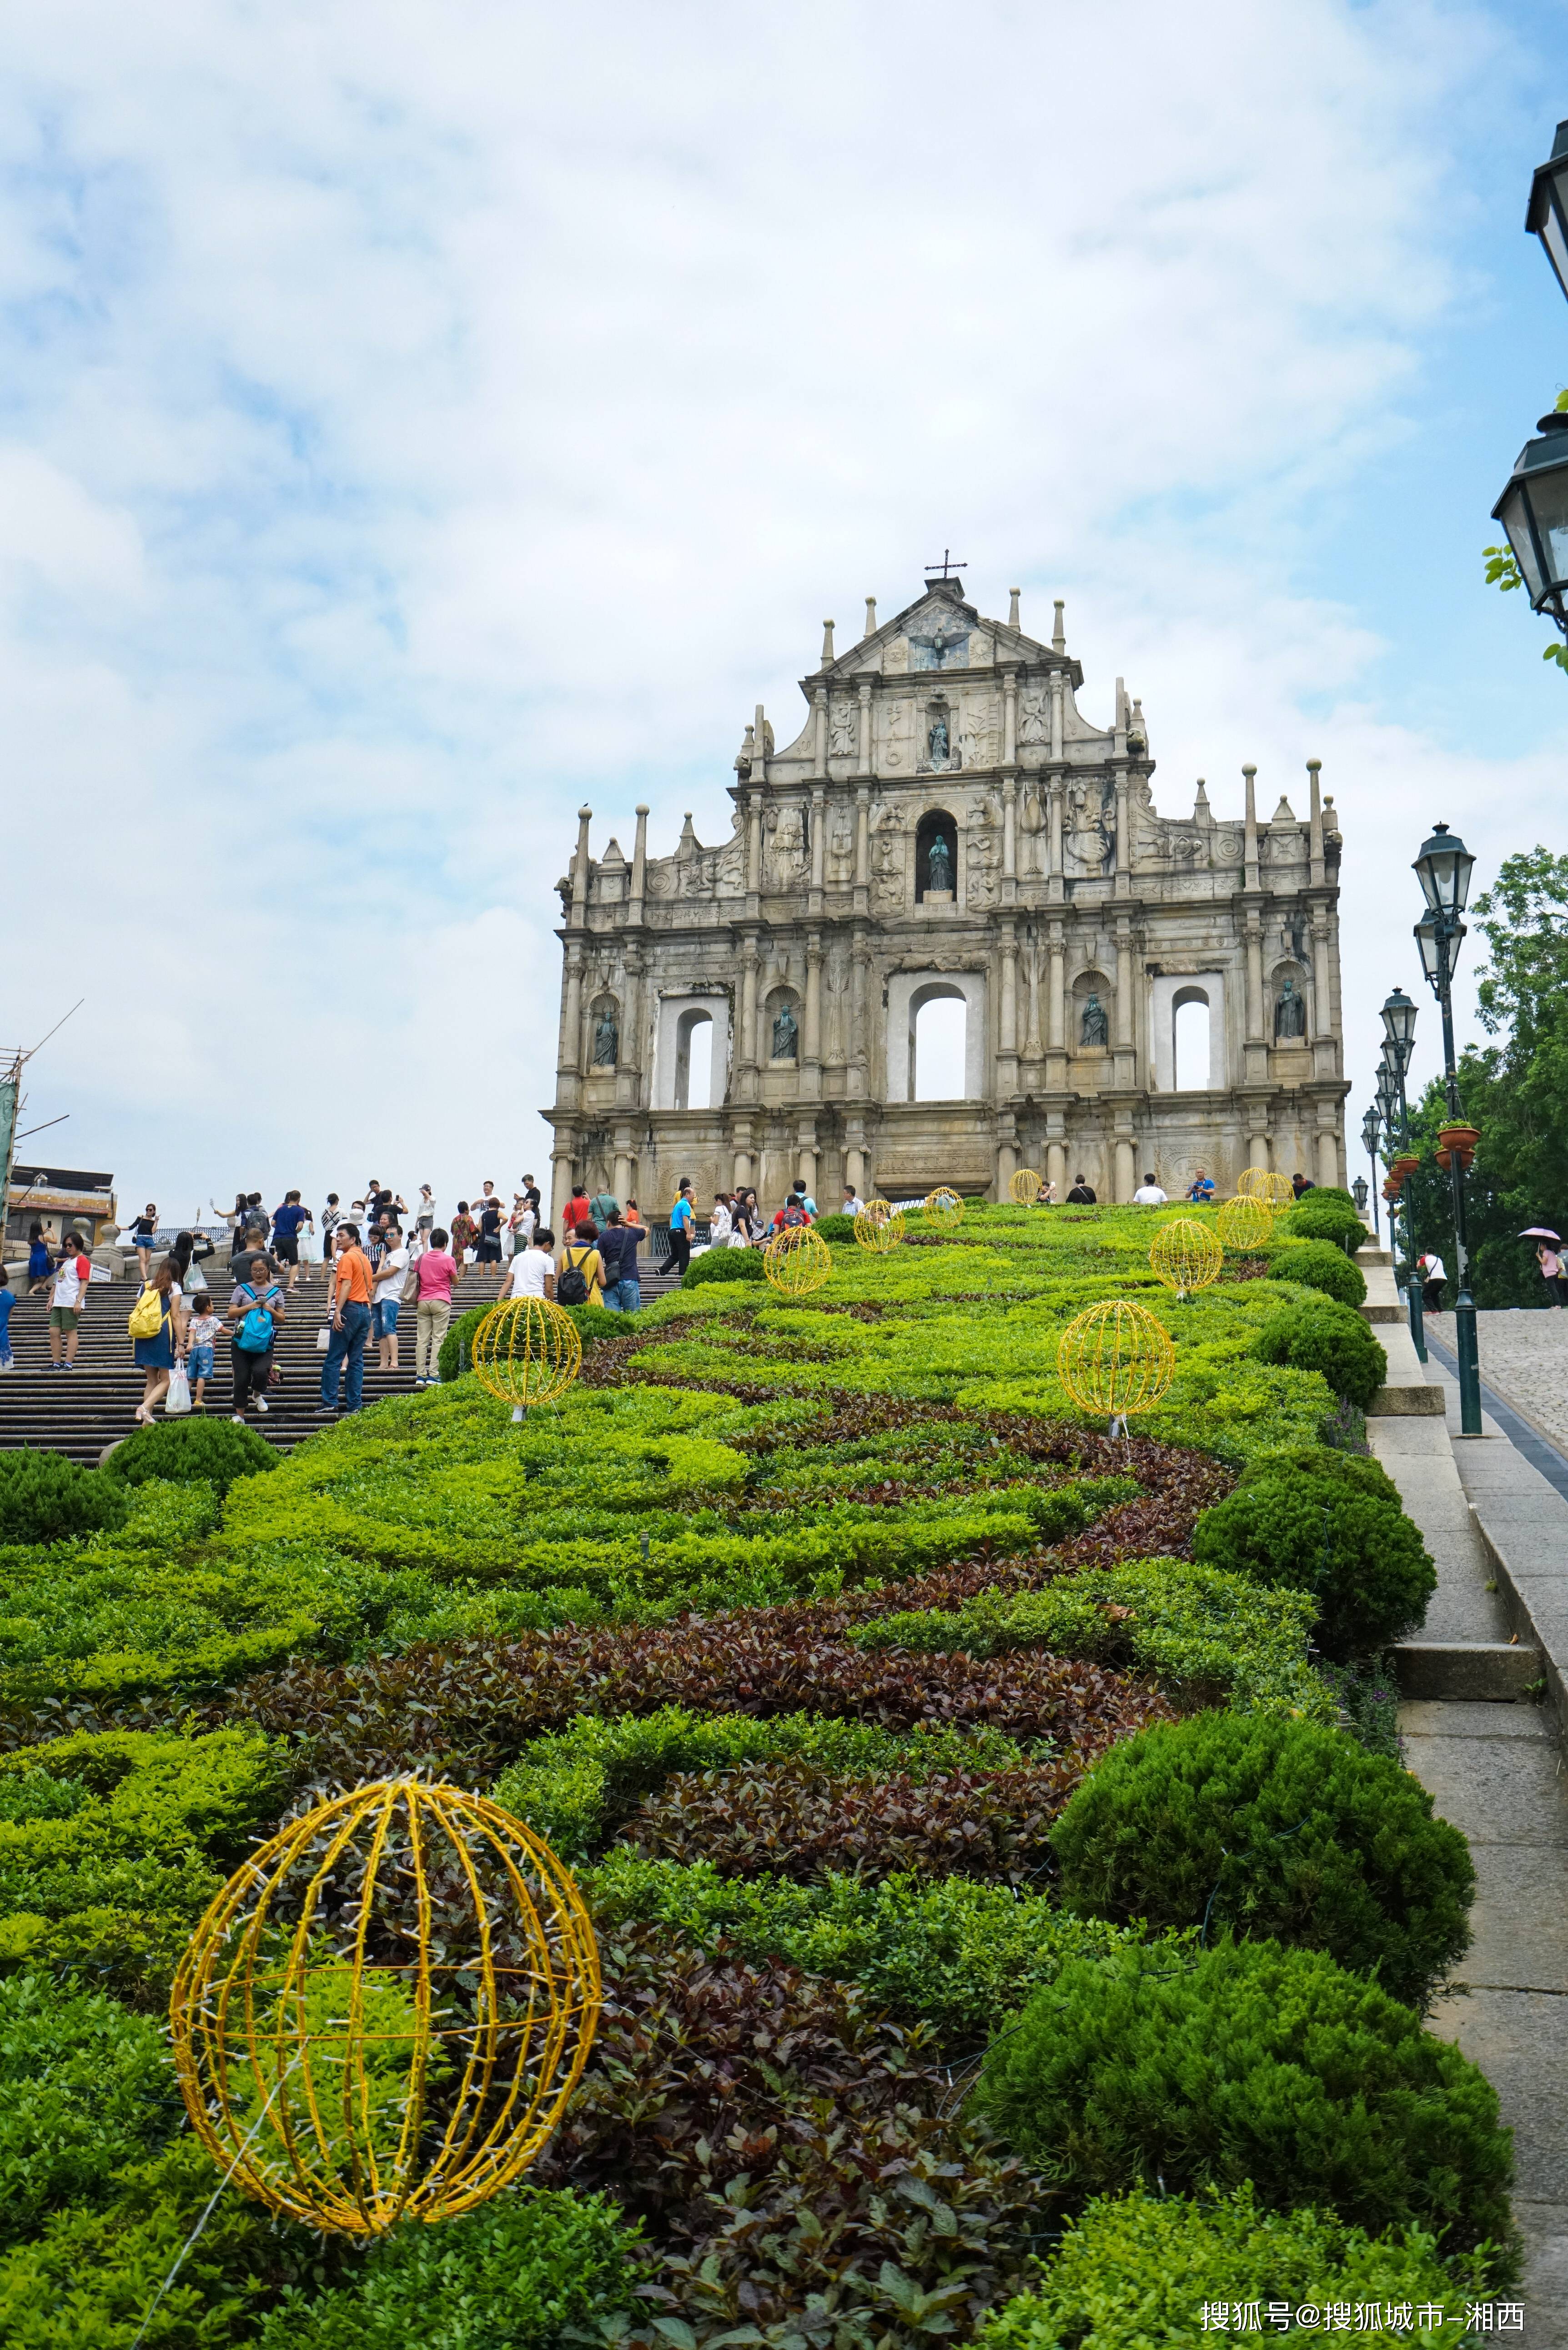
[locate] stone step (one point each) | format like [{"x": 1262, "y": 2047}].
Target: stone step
[
  {"x": 1380, "y": 1313},
  {"x": 1406, "y": 1402},
  {"x": 1494, "y": 1671}
]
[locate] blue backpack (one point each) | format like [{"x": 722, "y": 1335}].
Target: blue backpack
[{"x": 254, "y": 1334}]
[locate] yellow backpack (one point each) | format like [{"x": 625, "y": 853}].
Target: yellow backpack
[{"x": 147, "y": 1314}]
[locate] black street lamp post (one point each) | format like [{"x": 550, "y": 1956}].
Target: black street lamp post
[
  {"x": 1398, "y": 1044},
  {"x": 1547, "y": 213},
  {"x": 1369, "y": 1129},
  {"x": 1444, "y": 870}
]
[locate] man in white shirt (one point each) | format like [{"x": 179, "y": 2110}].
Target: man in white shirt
[
  {"x": 1148, "y": 1194},
  {"x": 386, "y": 1298},
  {"x": 1433, "y": 1275},
  {"x": 534, "y": 1268},
  {"x": 66, "y": 1299}
]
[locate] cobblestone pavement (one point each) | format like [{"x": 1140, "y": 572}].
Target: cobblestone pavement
[{"x": 1524, "y": 1356}]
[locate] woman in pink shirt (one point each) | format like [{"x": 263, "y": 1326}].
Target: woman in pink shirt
[{"x": 436, "y": 1272}]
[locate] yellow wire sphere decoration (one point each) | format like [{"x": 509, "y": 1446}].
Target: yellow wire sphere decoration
[
  {"x": 1116, "y": 1358},
  {"x": 878, "y": 1226},
  {"x": 1244, "y": 1223},
  {"x": 1024, "y": 1186},
  {"x": 943, "y": 1207},
  {"x": 1271, "y": 1190},
  {"x": 796, "y": 1261},
  {"x": 527, "y": 1351},
  {"x": 382, "y": 2014},
  {"x": 1186, "y": 1255}
]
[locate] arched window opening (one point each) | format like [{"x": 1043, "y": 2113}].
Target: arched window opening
[
  {"x": 1192, "y": 1040},
  {"x": 694, "y": 1061},
  {"x": 939, "y": 1036},
  {"x": 936, "y": 838}
]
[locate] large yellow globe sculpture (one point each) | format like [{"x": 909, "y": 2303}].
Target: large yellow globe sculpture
[
  {"x": 1024, "y": 1187},
  {"x": 1244, "y": 1223},
  {"x": 943, "y": 1208},
  {"x": 796, "y": 1261},
  {"x": 384, "y": 2012},
  {"x": 1271, "y": 1190},
  {"x": 878, "y": 1226},
  {"x": 1186, "y": 1255},
  {"x": 527, "y": 1351},
  {"x": 1116, "y": 1358}
]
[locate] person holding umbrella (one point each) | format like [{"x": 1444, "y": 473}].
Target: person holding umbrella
[{"x": 1547, "y": 1246}]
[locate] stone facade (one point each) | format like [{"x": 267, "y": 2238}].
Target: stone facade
[{"x": 948, "y": 824}]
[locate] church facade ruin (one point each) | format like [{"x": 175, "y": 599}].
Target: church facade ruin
[{"x": 949, "y": 826}]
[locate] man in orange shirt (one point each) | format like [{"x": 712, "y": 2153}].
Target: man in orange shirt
[{"x": 352, "y": 1281}]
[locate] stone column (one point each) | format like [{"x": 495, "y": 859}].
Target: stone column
[
  {"x": 1323, "y": 1011},
  {"x": 569, "y": 1071},
  {"x": 854, "y": 1162},
  {"x": 742, "y": 1147},
  {"x": 638, "y": 865},
  {"x": 1009, "y": 830},
  {"x": 819, "y": 731},
  {"x": 1006, "y": 1166},
  {"x": 1123, "y": 882},
  {"x": 1315, "y": 825},
  {"x": 811, "y": 1059},
  {"x": 1127, "y": 1179},
  {"x": 746, "y": 1026},
  {"x": 859, "y": 1021},
  {"x": 560, "y": 1184},
  {"x": 1058, "y": 696},
  {"x": 863, "y": 761},
  {"x": 1009, "y": 717},
  {"x": 623, "y": 1166},
  {"x": 1055, "y": 994},
  {"x": 578, "y": 918},
  {"x": 1258, "y": 1139},
  {"x": 628, "y": 1069},
  {"x": 1053, "y": 791},
  {"x": 807, "y": 1160},
  {"x": 753, "y": 852},
  {"x": 1327, "y": 1156},
  {"x": 1124, "y": 984},
  {"x": 1056, "y": 1166},
  {"x": 818, "y": 844},
  {"x": 1255, "y": 1031},
  {"x": 1249, "y": 831}
]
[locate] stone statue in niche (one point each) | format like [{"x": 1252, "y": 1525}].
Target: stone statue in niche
[
  {"x": 607, "y": 1039},
  {"x": 841, "y": 735},
  {"x": 786, "y": 1035},
  {"x": 1093, "y": 1029},
  {"x": 784, "y": 857},
  {"x": 938, "y": 741},
  {"x": 1092, "y": 839},
  {"x": 841, "y": 844},
  {"x": 940, "y": 865},
  {"x": 1290, "y": 1014}
]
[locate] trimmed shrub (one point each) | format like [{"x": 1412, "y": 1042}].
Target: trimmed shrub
[
  {"x": 523, "y": 2272},
  {"x": 723, "y": 1264},
  {"x": 836, "y": 1228},
  {"x": 1362, "y": 1559},
  {"x": 1329, "y": 1339},
  {"x": 1138, "y": 2269},
  {"x": 1358, "y": 1471},
  {"x": 82, "y": 2083},
  {"x": 185, "y": 1453},
  {"x": 1318, "y": 1264},
  {"x": 1259, "y": 2063},
  {"x": 1268, "y": 1827},
  {"x": 456, "y": 1346},
  {"x": 45, "y": 1498},
  {"x": 1328, "y": 1216}
]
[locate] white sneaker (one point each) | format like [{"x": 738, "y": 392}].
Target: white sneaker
[{"x": 259, "y": 1404}]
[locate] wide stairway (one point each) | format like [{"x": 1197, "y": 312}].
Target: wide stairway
[{"x": 80, "y": 1412}]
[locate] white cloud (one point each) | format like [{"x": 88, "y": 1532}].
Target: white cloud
[{"x": 420, "y": 420}]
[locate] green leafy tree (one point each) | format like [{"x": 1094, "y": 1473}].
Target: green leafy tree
[{"x": 1515, "y": 1090}]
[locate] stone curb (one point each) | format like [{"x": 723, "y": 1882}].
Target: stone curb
[
  {"x": 1493, "y": 1672},
  {"x": 1414, "y": 1401},
  {"x": 1549, "y": 1634}
]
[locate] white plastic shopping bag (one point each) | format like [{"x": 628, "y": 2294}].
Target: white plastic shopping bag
[{"x": 178, "y": 1398}]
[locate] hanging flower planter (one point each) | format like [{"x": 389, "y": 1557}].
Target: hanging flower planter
[
  {"x": 1458, "y": 1142},
  {"x": 1404, "y": 1164}
]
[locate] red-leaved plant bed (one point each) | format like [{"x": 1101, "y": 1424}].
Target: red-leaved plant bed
[
  {"x": 796, "y": 2162},
  {"x": 795, "y": 1821},
  {"x": 468, "y": 1709}
]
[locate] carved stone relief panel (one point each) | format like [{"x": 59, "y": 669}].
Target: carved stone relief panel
[
  {"x": 1034, "y": 719},
  {"x": 785, "y": 859},
  {"x": 889, "y": 885},
  {"x": 841, "y": 844},
  {"x": 1089, "y": 835},
  {"x": 896, "y": 716}
]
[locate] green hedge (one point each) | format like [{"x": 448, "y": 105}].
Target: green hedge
[
  {"x": 1362, "y": 1559},
  {"x": 45, "y": 1498},
  {"x": 531, "y": 2270},
  {"x": 1253, "y": 2064},
  {"x": 1328, "y": 1215},
  {"x": 1318, "y": 1264},
  {"x": 190, "y": 1451},
  {"x": 1140, "y": 2269},
  {"x": 1330, "y": 1339},
  {"x": 1268, "y": 1827},
  {"x": 725, "y": 1265}
]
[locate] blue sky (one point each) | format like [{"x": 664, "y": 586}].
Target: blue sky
[{"x": 415, "y": 422}]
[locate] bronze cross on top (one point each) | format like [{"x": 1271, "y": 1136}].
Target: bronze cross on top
[{"x": 948, "y": 564}]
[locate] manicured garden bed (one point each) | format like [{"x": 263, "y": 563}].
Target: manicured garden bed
[{"x": 960, "y": 1792}]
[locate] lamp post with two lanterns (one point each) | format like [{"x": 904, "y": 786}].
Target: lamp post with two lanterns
[
  {"x": 1533, "y": 508},
  {"x": 1398, "y": 1044},
  {"x": 1444, "y": 870},
  {"x": 1370, "y": 1126}
]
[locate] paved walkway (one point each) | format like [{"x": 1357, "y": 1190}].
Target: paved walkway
[
  {"x": 1524, "y": 1357},
  {"x": 1495, "y": 1770}
]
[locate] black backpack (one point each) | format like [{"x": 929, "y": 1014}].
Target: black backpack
[{"x": 571, "y": 1286}]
